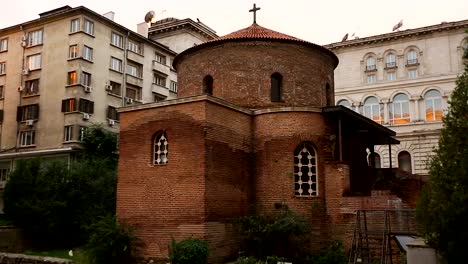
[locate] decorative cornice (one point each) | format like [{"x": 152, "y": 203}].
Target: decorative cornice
[{"x": 172, "y": 24}]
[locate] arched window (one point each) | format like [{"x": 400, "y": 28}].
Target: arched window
[
  {"x": 404, "y": 161},
  {"x": 372, "y": 110},
  {"x": 377, "y": 160},
  {"x": 160, "y": 148},
  {"x": 390, "y": 61},
  {"x": 208, "y": 85},
  {"x": 399, "y": 109},
  {"x": 370, "y": 64},
  {"x": 329, "y": 95},
  {"x": 276, "y": 87},
  {"x": 433, "y": 102},
  {"x": 305, "y": 171},
  {"x": 412, "y": 57},
  {"x": 344, "y": 103}
]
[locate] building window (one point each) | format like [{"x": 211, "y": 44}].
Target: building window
[
  {"x": 68, "y": 133},
  {"x": 173, "y": 87},
  {"x": 391, "y": 76},
  {"x": 82, "y": 131},
  {"x": 115, "y": 88},
  {"x": 208, "y": 85},
  {"x": 372, "y": 78},
  {"x": 112, "y": 113},
  {"x": 399, "y": 110},
  {"x": 27, "y": 112},
  {"x": 158, "y": 98},
  {"x": 159, "y": 80},
  {"x": 135, "y": 47},
  {"x": 305, "y": 171},
  {"x": 86, "y": 106},
  {"x": 404, "y": 161},
  {"x": 88, "y": 53},
  {"x": 134, "y": 69},
  {"x": 1, "y": 91},
  {"x": 72, "y": 78},
  {"x": 116, "y": 64},
  {"x": 276, "y": 87},
  {"x": 34, "y": 62},
  {"x": 27, "y": 138},
  {"x": 160, "y": 149},
  {"x": 69, "y": 105},
  {"x": 75, "y": 25},
  {"x": 88, "y": 27},
  {"x": 433, "y": 102},
  {"x": 2, "y": 68},
  {"x": 370, "y": 64},
  {"x": 133, "y": 92},
  {"x": 34, "y": 38},
  {"x": 3, "y": 45},
  {"x": 117, "y": 40},
  {"x": 86, "y": 79},
  {"x": 4, "y": 172},
  {"x": 412, "y": 74},
  {"x": 31, "y": 87},
  {"x": 372, "y": 110},
  {"x": 344, "y": 103},
  {"x": 73, "y": 52},
  {"x": 159, "y": 58},
  {"x": 412, "y": 58},
  {"x": 390, "y": 61}
]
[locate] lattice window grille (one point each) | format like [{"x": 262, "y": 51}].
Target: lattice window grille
[
  {"x": 305, "y": 172},
  {"x": 160, "y": 149}
]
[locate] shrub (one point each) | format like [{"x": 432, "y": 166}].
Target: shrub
[
  {"x": 112, "y": 242},
  {"x": 246, "y": 260},
  {"x": 333, "y": 254},
  {"x": 189, "y": 251}
]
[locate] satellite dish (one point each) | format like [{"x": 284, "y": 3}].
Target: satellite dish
[
  {"x": 345, "y": 37},
  {"x": 150, "y": 17},
  {"x": 397, "y": 26}
]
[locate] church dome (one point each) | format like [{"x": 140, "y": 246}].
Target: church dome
[{"x": 257, "y": 67}]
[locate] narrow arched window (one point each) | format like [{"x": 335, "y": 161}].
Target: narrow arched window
[
  {"x": 433, "y": 102},
  {"x": 412, "y": 57},
  {"x": 208, "y": 85},
  {"x": 305, "y": 171},
  {"x": 404, "y": 161},
  {"x": 390, "y": 61},
  {"x": 344, "y": 103},
  {"x": 276, "y": 87},
  {"x": 160, "y": 148},
  {"x": 399, "y": 109},
  {"x": 329, "y": 95},
  {"x": 370, "y": 64}
]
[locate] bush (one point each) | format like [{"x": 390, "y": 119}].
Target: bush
[
  {"x": 112, "y": 242},
  {"x": 246, "y": 260},
  {"x": 333, "y": 254},
  {"x": 189, "y": 251}
]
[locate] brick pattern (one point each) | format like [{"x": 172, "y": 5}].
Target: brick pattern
[{"x": 246, "y": 70}]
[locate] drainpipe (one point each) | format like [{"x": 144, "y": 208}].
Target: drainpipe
[
  {"x": 124, "y": 66},
  {"x": 19, "y": 93}
]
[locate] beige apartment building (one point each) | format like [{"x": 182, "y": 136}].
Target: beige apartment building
[
  {"x": 402, "y": 80},
  {"x": 66, "y": 70}
]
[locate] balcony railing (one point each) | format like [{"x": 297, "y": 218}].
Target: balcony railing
[
  {"x": 412, "y": 62},
  {"x": 390, "y": 65},
  {"x": 371, "y": 68}
]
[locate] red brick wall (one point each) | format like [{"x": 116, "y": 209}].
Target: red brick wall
[{"x": 242, "y": 71}]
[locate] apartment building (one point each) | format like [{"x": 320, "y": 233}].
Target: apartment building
[
  {"x": 403, "y": 80},
  {"x": 66, "y": 70}
]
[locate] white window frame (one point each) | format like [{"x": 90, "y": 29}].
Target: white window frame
[
  {"x": 35, "y": 38},
  {"x": 399, "y": 107},
  {"x": 74, "y": 25},
  {"x": 88, "y": 53},
  {"x": 160, "y": 58},
  {"x": 430, "y": 100},
  {"x": 160, "y": 149},
  {"x": 390, "y": 60},
  {"x": 135, "y": 47},
  {"x": 412, "y": 74},
  {"x": 371, "y": 64},
  {"x": 159, "y": 80},
  {"x": 73, "y": 51},
  {"x": 88, "y": 27},
  {"x": 34, "y": 62},
  {"x": 3, "y": 44},
  {"x": 305, "y": 152},
  {"x": 85, "y": 79},
  {"x": 412, "y": 57},
  {"x": 117, "y": 40},
  {"x": 2, "y": 68},
  {"x": 173, "y": 87},
  {"x": 27, "y": 138},
  {"x": 391, "y": 76},
  {"x": 116, "y": 64},
  {"x": 134, "y": 70},
  {"x": 68, "y": 133},
  {"x": 371, "y": 78},
  {"x": 370, "y": 109}
]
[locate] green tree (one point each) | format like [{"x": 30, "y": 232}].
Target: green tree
[{"x": 442, "y": 211}]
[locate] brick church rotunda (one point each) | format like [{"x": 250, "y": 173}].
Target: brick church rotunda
[{"x": 254, "y": 124}]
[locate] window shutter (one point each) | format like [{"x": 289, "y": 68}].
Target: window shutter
[
  {"x": 1, "y": 116},
  {"x": 81, "y": 106},
  {"x": 35, "y": 109},
  {"x": 64, "y": 105},
  {"x": 91, "y": 107},
  {"x": 19, "y": 113}
]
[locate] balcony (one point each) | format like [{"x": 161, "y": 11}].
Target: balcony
[
  {"x": 160, "y": 90},
  {"x": 413, "y": 62},
  {"x": 135, "y": 57},
  {"x": 371, "y": 68},
  {"x": 134, "y": 80},
  {"x": 161, "y": 67},
  {"x": 390, "y": 65}
]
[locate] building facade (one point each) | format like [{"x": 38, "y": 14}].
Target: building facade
[
  {"x": 67, "y": 70},
  {"x": 402, "y": 80}
]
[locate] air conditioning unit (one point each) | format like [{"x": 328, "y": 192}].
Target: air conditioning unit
[
  {"x": 108, "y": 87},
  {"x": 111, "y": 122},
  {"x": 86, "y": 116},
  {"x": 30, "y": 122},
  {"x": 25, "y": 72},
  {"x": 88, "y": 89},
  {"x": 129, "y": 101},
  {"x": 20, "y": 88}
]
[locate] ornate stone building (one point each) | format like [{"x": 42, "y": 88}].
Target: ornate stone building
[{"x": 402, "y": 80}]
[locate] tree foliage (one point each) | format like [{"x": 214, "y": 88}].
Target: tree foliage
[{"x": 442, "y": 211}]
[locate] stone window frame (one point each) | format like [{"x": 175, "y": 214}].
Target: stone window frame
[
  {"x": 311, "y": 169},
  {"x": 160, "y": 154},
  {"x": 412, "y": 56},
  {"x": 404, "y": 151},
  {"x": 380, "y": 107},
  {"x": 426, "y": 97},
  {"x": 400, "y": 104}
]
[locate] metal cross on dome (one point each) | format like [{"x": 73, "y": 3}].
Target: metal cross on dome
[{"x": 254, "y": 10}]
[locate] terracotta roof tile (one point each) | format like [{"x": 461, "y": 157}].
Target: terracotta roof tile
[{"x": 256, "y": 31}]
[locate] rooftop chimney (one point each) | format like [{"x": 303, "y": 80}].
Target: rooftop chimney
[
  {"x": 109, "y": 15},
  {"x": 142, "y": 29}
]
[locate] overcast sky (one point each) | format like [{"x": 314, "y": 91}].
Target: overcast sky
[{"x": 321, "y": 22}]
